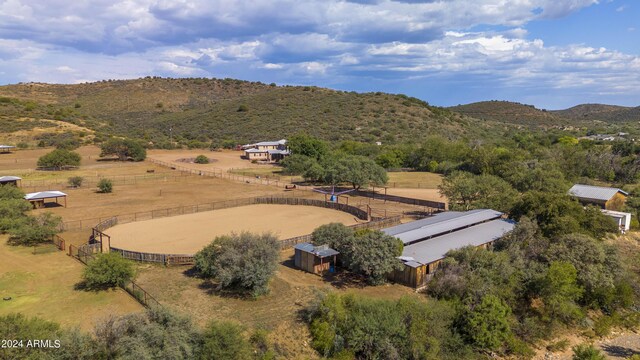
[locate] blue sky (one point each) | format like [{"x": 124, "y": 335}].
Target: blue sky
[{"x": 549, "y": 53}]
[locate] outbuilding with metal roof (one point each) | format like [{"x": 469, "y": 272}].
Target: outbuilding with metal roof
[
  {"x": 37, "y": 199},
  {"x": 604, "y": 197},
  {"x": 427, "y": 241}
]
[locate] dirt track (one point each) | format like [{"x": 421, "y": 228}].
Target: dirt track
[{"x": 186, "y": 234}]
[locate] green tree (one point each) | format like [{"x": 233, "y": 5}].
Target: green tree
[
  {"x": 486, "y": 325},
  {"x": 242, "y": 261},
  {"x": 303, "y": 144},
  {"x": 374, "y": 254},
  {"x": 224, "y": 341},
  {"x": 108, "y": 270},
  {"x": 295, "y": 164},
  {"x": 560, "y": 292},
  {"x": 337, "y": 235},
  {"x": 35, "y": 230},
  {"x": 124, "y": 149},
  {"x": 105, "y": 186},
  {"x": 59, "y": 158},
  {"x": 361, "y": 171},
  {"x": 466, "y": 191}
]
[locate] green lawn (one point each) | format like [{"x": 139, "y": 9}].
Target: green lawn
[
  {"x": 43, "y": 285},
  {"x": 414, "y": 179}
]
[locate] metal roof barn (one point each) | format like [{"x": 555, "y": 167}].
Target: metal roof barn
[
  {"x": 594, "y": 192},
  {"x": 428, "y": 251},
  {"x": 440, "y": 224}
]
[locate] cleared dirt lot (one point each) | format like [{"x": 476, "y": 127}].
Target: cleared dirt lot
[
  {"x": 186, "y": 234},
  {"x": 224, "y": 160}
]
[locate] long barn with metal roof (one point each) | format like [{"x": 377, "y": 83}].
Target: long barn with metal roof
[{"x": 427, "y": 241}]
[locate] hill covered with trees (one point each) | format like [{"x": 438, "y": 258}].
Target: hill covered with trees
[{"x": 204, "y": 110}]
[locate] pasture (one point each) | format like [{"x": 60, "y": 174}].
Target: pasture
[
  {"x": 44, "y": 285},
  {"x": 187, "y": 234},
  {"x": 414, "y": 180}
]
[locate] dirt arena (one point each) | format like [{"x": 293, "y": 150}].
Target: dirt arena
[{"x": 186, "y": 234}]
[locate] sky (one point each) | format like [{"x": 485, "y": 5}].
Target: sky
[{"x": 550, "y": 53}]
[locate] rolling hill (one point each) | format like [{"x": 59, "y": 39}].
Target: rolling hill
[
  {"x": 512, "y": 113},
  {"x": 204, "y": 110},
  {"x": 601, "y": 112}
]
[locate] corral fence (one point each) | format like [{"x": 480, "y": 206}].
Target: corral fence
[
  {"x": 86, "y": 253},
  {"x": 433, "y": 205},
  {"x": 58, "y": 242},
  {"x": 92, "y": 181},
  {"x": 182, "y": 259},
  {"x": 187, "y": 259},
  {"x": 103, "y": 223},
  {"x": 219, "y": 173}
]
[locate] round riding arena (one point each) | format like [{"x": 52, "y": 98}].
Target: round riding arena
[{"x": 187, "y": 234}]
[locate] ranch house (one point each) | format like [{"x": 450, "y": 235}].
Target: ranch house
[
  {"x": 603, "y": 197},
  {"x": 427, "y": 241},
  {"x": 268, "y": 151}
]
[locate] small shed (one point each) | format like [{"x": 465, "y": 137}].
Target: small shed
[
  {"x": 37, "y": 199},
  {"x": 10, "y": 180},
  {"x": 622, "y": 219},
  {"x": 6, "y": 148},
  {"x": 315, "y": 259},
  {"x": 604, "y": 197}
]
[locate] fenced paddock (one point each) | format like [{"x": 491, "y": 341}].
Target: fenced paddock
[{"x": 174, "y": 240}]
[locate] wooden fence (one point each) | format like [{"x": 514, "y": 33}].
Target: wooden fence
[
  {"x": 182, "y": 259},
  {"x": 92, "y": 181},
  {"x": 435, "y": 205},
  {"x": 86, "y": 253},
  {"x": 59, "y": 242}
]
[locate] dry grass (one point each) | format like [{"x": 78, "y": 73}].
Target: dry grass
[
  {"x": 280, "y": 311},
  {"x": 414, "y": 179},
  {"x": 43, "y": 285}
]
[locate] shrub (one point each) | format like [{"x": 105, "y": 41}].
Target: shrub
[
  {"x": 244, "y": 261},
  {"x": 108, "y": 270},
  {"x": 560, "y": 345},
  {"x": 486, "y": 325},
  {"x": 224, "y": 340},
  {"x": 105, "y": 186},
  {"x": 201, "y": 159},
  {"x": 587, "y": 352},
  {"x": 243, "y": 108},
  {"x": 59, "y": 158},
  {"x": 75, "y": 181},
  {"x": 155, "y": 334},
  {"x": 35, "y": 230}
]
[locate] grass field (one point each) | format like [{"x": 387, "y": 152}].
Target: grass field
[
  {"x": 414, "y": 179},
  {"x": 43, "y": 285},
  {"x": 291, "y": 290},
  {"x": 187, "y": 234}
]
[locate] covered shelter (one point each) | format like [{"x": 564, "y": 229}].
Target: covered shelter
[
  {"x": 6, "y": 148},
  {"x": 315, "y": 259},
  {"x": 604, "y": 197},
  {"x": 427, "y": 241},
  {"x": 10, "y": 180},
  {"x": 622, "y": 219},
  {"x": 37, "y": 199}
]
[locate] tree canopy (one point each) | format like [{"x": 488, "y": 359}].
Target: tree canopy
[
  {"x": 124, "y": 149},
  {"x": 59, "y": 158}
]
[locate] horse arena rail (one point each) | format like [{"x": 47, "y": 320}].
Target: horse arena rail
[
  {"x": 436, "y": 205},
  {"x": 187, "y": 259},
  {"x": 92, "y": 181}
]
